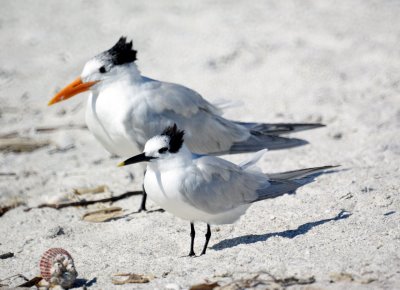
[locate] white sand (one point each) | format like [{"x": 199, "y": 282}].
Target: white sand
[{"x": 289, "y": 61}]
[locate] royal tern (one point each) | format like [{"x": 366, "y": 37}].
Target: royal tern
[
  {"x": 203, "y": 188},
  {"x": 125, "y": 109}
]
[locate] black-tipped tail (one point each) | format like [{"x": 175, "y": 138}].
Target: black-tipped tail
[
  {"x": 297, "y": 174},
  {"x": 258, "y": 142},
  {"x": 288, "y": 182},
  {"x": 279, "y": 128}
]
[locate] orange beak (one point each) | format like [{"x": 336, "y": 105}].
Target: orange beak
[{"x": 74, "y": 88}]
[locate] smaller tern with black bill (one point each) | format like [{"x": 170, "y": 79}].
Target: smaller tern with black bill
[{"x": 203, "y": 188}]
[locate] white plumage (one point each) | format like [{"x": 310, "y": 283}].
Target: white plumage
[
  {"x": 125, "y": 109},
  {"x": 206, "y": 188}
]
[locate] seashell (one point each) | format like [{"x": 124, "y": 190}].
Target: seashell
[{"x": 57, "y": 267}]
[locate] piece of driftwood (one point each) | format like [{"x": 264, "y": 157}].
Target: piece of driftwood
[
  {"x": 86, "y": 190},
  {"x": 103, "y": 215},
  {"x": 44, "y": 129},
  {"x": 204, "y": 286},
  {"x": 131, "y": 278},
  {"x": 87, "y": 202},
  {"x": 62, "y": 127},
  {"x": 22, "y": 144}
]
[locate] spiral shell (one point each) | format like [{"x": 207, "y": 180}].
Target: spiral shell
[{"x": 57, "y": 267}]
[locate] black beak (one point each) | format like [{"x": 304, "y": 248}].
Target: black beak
[{"x": 136, "y": 159}]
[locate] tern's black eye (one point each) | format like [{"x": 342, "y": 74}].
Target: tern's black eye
[
  {"x": 162, "y": 150},
  {"x": 102, "y": 69}
]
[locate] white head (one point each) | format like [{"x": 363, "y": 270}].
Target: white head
[
  {"x": 109, "y": 65},
  {"x": 159, "y": 147}
]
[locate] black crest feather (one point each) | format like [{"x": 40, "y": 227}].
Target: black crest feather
[
  {"x": 175, "y": 138},
  {"x": 122, "y": 52}
]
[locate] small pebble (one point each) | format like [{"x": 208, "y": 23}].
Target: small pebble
[
  {"x": 337, "y": 136},
  {"x": 54, "y": 232}
]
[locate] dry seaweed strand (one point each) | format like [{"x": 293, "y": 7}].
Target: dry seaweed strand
[
  {"x": 8, "y": 174},
  {"x": 275, "y": 283},
  {"x": 204, "y": 286},
  {"x": 87, "y": 202},
  {"x": 6, "y": 208},
  {"x": 27, "y": 284},
  {"x": 347, "y": 277},
  {"x": 131, "y": 278},
  {"x": 22, "y": 144}
]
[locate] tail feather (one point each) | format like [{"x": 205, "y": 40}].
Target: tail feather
[
  {"x": 258, "y": 142},
  {"x": 279, "y": 128},
  {"x": 296, "y": 174},
  {"x": 277, "y": 188},
  {"x": 288, "y": 182}
]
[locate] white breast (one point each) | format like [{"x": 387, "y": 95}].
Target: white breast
[
  {"x": 105, "y": 117},
  {"x": 162, "y": 187}
]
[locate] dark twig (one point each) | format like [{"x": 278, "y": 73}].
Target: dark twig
[
  {"x": 32, "y": 282},
  {"x": 8, "y": 174},
  {"x": 87, "y": 202},
  {"x": 6, "y": 208}
]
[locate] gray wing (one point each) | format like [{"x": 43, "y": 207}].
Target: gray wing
[
  {"x": 214, "y": 185},
  {"x": 206, "y": 130}
]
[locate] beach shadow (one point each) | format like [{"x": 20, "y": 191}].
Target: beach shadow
[
  {"x": 289, "y": 234},
  {"x": 84, "y": 283}
]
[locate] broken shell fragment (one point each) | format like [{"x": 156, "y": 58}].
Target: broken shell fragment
[{"x": 57, "y": 267}]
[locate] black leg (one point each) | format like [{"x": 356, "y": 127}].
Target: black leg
[
  {"x": 208, "y": 236},
  {"x": 192, "y": 235},
  {"x": 143, "y": 204}
]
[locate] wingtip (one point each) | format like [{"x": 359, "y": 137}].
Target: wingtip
[
  {"x": 334, "y": 166},
  {"x": 309, "y": 126}
]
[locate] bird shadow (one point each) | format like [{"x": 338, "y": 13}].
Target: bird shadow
[{"x": 289, "y": 234}]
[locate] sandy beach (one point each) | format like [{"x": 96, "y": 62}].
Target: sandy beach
[{"x": 334, "y": 62}]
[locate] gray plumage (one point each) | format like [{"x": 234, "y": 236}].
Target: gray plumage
[
  {"x": 215, "y": 185},
  {"x": 288, "y": 182},
  {"x": 279, "y": 128}
]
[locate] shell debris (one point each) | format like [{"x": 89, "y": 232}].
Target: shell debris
[{"x": 57, "y": 268}]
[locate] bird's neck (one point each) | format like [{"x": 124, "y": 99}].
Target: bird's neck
[{"x": 133, "y": 73}]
